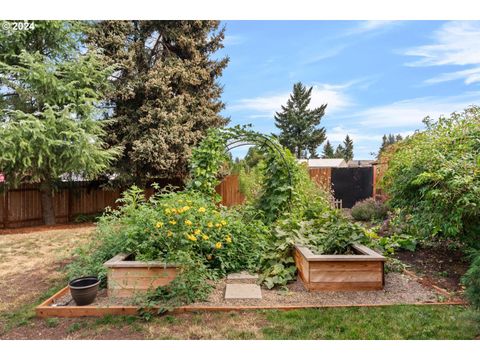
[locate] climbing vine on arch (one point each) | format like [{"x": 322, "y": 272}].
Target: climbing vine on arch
[{"x": 280, "y": 175}]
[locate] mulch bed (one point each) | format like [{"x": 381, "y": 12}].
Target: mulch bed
[{"x": 437, "y": 265}]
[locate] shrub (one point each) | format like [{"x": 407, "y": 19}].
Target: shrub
[
  {"x": 433, "y": 177},
  {"x": 472, "y": 281},
  {"x": 369, "y": 210},
  {"x": 182, "y": 227}
]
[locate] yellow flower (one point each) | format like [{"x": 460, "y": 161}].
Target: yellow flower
[
  {"x": 197, "y": 231},
  {"x": 186, "y": 208},
  {"x": 169, "y": 233},
  {"x": 218, "y": 225},
  {"x": 159, "y": 224},
  {"x": 188, "y": 222},
  {"x": 218, "y": 245},
  {"x": 201, "y": 210},
  {"x": 167, "y": 211},
  {"x": 371, "y": 234},
  {"x": 228, "y": 238},
  {"x": 210, "y": 224},
  {"x": 191, "y": 237},
  {"x": 173, "y": 222},
  {"x": 224, "y": 222},
  {"x": 205, "y": 237}
]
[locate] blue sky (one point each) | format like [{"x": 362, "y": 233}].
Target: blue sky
[{"x": 377, "y": 77}]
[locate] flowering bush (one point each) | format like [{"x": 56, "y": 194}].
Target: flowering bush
[{"x": 176, "y": 227}]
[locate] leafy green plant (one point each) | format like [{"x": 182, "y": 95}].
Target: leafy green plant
[
  {"x": 369, "y": 210},
  {"x": 185, "y": 228},
  {"x": 433, "y": 177},
  {"x": 471, "y": 279},
  {"x": 278, "y": 266},
  {"x": 330, "y": 233},
  {"x": 389, "y": 244}
]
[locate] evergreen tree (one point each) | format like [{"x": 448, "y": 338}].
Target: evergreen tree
[
  {"x": 339, "y": 152},
  {"x": 299, "y": 124},
  {"x": 348, "y": 149},
  {"x": 48, "y": 122},
  {"x": 165, "y": 94},
  {"x": 388, "y": 140},
  {"x": 328, "y": 152},
  {"x": 253, "y": 157}
]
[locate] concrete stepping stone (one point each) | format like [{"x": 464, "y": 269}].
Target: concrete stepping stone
[
  {"x": 242, "y": 278},
  {"x": 243, "y": 291}
]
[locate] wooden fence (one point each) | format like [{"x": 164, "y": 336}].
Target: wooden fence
[
  {"x": 229, "y": 190},
  {"x": 322, "y": 177},
  {"x": 378, "y": 174},
  {"x": 23, "y": 207}
]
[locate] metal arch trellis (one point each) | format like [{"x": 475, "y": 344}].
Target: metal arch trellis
[{"x": 239, "y": 140}]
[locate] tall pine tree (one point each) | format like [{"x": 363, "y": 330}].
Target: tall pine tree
[
  {"x": 328, "y": 152},
  {"x": 299, "y": 124},
  {"x": 348, "y": 149},
  {"x": 165, "y": 93},
  {"x": 387, "y": 141},
  {"x": 339, "y": 152}
]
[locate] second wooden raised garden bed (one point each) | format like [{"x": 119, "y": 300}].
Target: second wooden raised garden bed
[{"x": 362, "y": 271}]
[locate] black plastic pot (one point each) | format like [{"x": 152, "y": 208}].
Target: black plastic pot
[{"x": 84, "y": 289}]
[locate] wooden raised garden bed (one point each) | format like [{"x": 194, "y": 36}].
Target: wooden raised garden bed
[
  {"x": 126, "y": 277},
  {"x": 362, "y": 271}
]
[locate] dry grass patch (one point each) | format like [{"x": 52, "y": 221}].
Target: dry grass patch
[
  {"x": 31, "y": 262},
  {"x": 213, "y": 326}
]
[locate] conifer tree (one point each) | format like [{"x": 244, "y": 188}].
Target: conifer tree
[
  {"x": 348, "y": 149},
  {"x": 165, "y": 95},
  {"x": 339, "y": 152},
  {"x": 48, "y": 119},
  {"x": 298, "y": 124},
  {"x": 328, "y": 152},
  {"x": 388, "y": 140}
]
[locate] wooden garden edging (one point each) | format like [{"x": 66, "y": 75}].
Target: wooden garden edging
[{"x": 45, "y": 310}]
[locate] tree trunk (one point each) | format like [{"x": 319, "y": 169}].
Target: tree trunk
[{"x": 46, "y": 192}]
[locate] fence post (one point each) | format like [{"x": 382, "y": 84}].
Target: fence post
[
  {"x": 69, "y": 203},
  {"x": 5, "y": 209}
]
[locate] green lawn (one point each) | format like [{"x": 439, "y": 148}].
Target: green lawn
[{"x": 395, "y": 322}]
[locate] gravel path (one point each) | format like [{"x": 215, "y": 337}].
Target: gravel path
[{"x": 399, "y": 289}]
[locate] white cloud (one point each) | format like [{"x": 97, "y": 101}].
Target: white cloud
[
  {"x": 230, "y": 40},
  {"x": 329, "y": 53},
  {"x": 455, "y": 43},
  {"x": 266, "y": 106},
  {"x": 470, "y": 76},
  {"x": 371, "y": 26},
  {"x": 338, "y": 133},
  {"x": 410, "y": 113}
]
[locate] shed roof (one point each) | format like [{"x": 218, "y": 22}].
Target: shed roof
[{"x": 324, "y": 163}]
